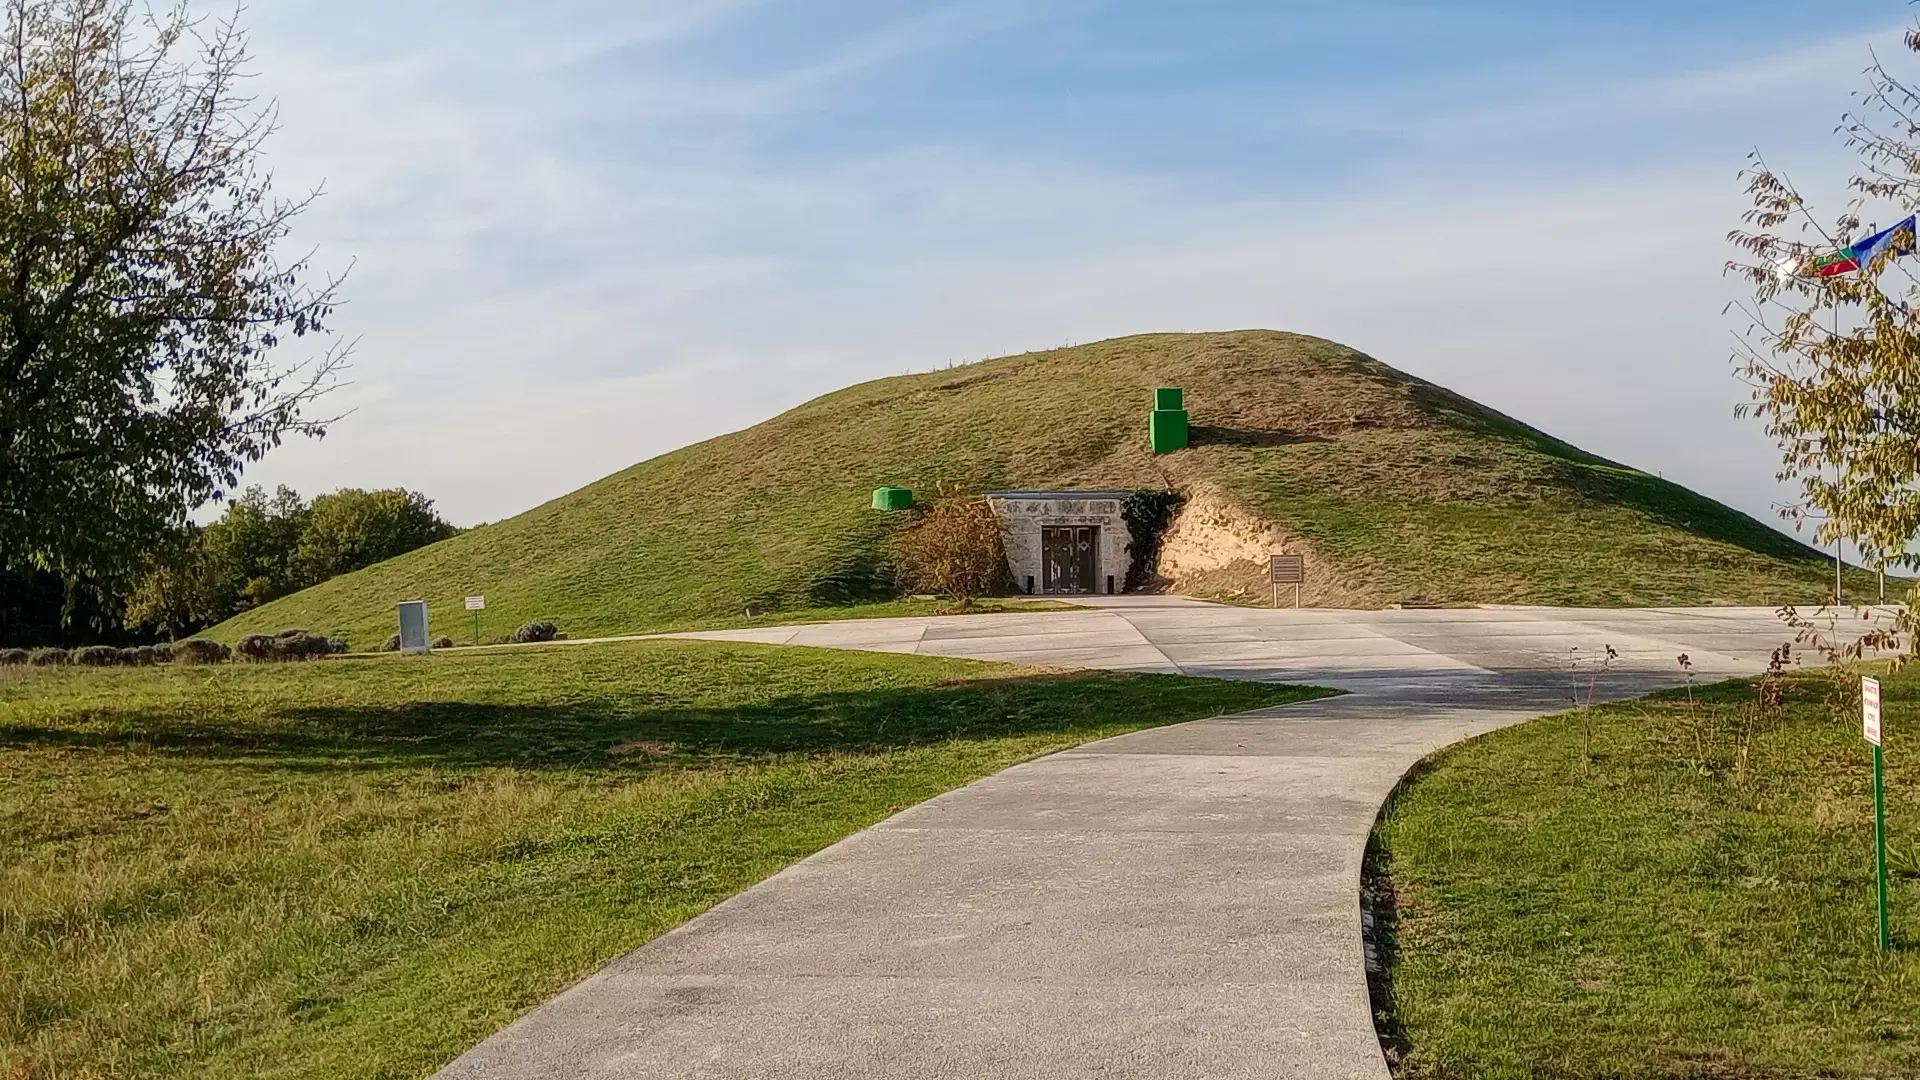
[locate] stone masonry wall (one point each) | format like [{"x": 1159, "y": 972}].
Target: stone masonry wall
[{"x": 1021, "y": 520}]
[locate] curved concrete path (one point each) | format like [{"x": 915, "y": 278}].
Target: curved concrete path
[{"x": 1181, "y": 902}]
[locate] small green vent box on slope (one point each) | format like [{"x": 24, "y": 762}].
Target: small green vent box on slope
[
  {"x": 1168, "y": 430},
  {"x": 892, "y": 498}
]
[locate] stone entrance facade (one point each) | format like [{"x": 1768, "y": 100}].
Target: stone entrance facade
[{"x": 1064, "y": 542}]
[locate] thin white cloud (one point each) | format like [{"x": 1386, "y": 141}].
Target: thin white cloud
[
  {"x": 1779, "y": 83},
  {"x": 528, "y": 297}
]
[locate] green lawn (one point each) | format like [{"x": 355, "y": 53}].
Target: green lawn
[
  {"x": 360, "y": 867},
  {"x": 1695, "y": 900}
]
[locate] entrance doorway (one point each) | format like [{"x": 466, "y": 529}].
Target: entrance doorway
[{"x": 1067, "y": 557}]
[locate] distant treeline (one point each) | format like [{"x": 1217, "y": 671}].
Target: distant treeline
[{"x": 262, "y": 548}]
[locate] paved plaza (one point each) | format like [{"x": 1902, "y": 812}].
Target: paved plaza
[{"x": 1181, "y": 902}]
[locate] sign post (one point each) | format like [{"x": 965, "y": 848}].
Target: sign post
[
  {"x": 476, "y": 604},
  {"x": 1870, "y": 726},
  {"x": 1286, "y": 570}
]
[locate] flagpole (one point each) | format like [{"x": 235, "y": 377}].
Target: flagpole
[
  {"x": 1861, "y": 255},
  {"x": 1839, "y": 584}
]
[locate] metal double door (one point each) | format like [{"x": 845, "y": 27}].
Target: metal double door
[{"x": 1067, "y": 556}]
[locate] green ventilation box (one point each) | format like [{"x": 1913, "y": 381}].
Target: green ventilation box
[
  {"x": 1168, "y": 432},
  {"x": 892, "y": 498}
]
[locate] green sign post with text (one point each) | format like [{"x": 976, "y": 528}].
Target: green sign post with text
[{"x": 1870, "y": 726}]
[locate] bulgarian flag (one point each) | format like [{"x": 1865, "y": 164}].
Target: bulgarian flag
[{"x": 1898, "y": 239}]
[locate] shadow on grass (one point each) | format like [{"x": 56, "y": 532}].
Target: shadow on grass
[
  {"x": 1380, "y": 919},
  {"x": 1679, "y": 508},
  {"x": 625, "y": 731},
  {"x": 1202, "y": 435},
  {"x": 1608, "y": 482}
]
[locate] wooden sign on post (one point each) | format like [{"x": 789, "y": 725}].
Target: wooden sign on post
[
  {"x": 476, "y": 604},
  {"x": 1287, "y": 570}
]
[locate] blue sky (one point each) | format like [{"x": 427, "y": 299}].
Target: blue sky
[{"x": 583, "y": 233}]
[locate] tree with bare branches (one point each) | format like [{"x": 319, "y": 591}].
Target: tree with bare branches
[
  {"x": 1832, "y": 353},
  {"x": 141, "y": 286}
]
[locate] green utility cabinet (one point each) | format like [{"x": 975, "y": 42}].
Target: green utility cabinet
[
  {"x": 892, "y": 498},
  {"x": 1167, "y": 431}
]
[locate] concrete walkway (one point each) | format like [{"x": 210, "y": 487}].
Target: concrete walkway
[{"x": 1181, "y": 902}]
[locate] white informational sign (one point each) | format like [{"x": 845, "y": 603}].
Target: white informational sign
[
  {"x": 476, "y": 603},
  {"x": 1870, "y": 708},
  {"x": 413, "y": 627}
]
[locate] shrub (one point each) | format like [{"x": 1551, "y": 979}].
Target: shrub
[
  {"x": 392, "y": 644},
  {"x": 49, "y": 658},
  {"x": 300, "y": 645},
  {"x": 163, "y": 653},
  {"x": 255, "y": 647},
  {"x": 1149, "y": 514},
  {"x": 200, "y": 651},
  {"x": 286, "y": 645},
  {"x": 540, "y": 630},
  {"x": 338, "y": 645},
  {"x": 139, "y": 656},
  {"x": 443, "y": 643},
  {"x": 12, "y": 657},
  {"x": 954, "y": 549},
  {"x": 97, "y": 656}
]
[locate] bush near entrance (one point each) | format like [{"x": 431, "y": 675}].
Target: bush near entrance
[{"x": 954, "y": 550}]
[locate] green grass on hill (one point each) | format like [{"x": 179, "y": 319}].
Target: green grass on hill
[
  {"x": 1696, "y": 901},
  {"x": 361, "y": 867},
  {"x": 1406, "y": 490}
]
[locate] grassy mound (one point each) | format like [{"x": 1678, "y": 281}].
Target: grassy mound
[
  {"x": 362, "y": 867},
  {"x": 1399, "y": 487},
  {"x": 1685, "y": 892}
]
